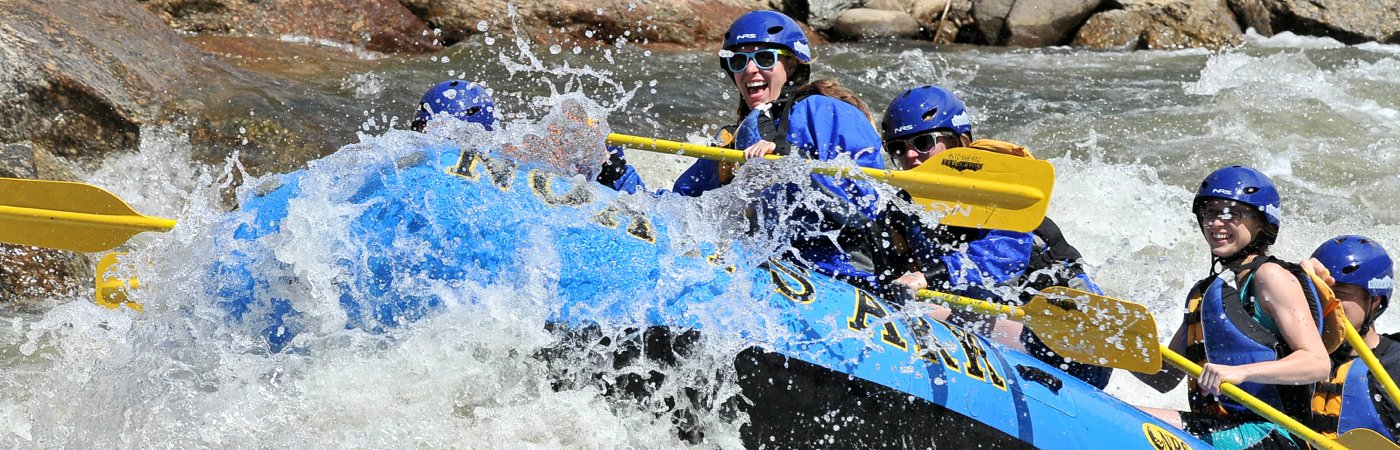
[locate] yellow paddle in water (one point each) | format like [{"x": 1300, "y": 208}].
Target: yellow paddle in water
[
  {"x": 1354, "y": 439},
  {"x": 111, "y": 290},
  {"x": 1078, "y": 325},
  {"x": 975, "y": 188},
  {"x": 68, "y": 216}
]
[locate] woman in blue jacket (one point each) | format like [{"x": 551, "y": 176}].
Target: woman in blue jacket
[
  {"x": 782, "y": 112},
  {"x": 922, "y": 122}
]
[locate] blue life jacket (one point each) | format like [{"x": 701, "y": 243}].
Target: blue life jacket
[
  {"x": 1353, "y": 398},
  {"x": 1229, "y": 334}
]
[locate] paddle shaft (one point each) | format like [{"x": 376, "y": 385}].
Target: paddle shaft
[
  {"x": 971, "y": 304},
  {"x": 1254, "y": 404},
  {"x": 42, "y": 216}
]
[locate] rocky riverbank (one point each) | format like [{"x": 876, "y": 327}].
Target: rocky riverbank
[{"x": 80, "y": 79}]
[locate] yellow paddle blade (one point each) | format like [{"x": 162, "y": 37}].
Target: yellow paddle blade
[
  {"x": 1362, "y": 438},
  {"x": 974, "y": 188},
  {"x": 1077, "y": 325},
  {"x": 977, "y": 188},
  {"x": 68, "y": 216},
  {"x": 1258, "y": 406},
  {"x": 111, "y": 289},
  {"x": 1094, "y": 329}
]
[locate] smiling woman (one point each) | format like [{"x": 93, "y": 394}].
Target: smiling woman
[
  {"x": 1255, "y": 322},
  {"x": 767, "y": 57}
]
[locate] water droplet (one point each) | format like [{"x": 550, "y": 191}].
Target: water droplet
[
  {"x": 555, "y": 49},
  {"x": 482, "y": 26}
]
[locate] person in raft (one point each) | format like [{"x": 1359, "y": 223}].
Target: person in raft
[
  {"x": 921, "y": 123},
  {"x": 470, "y": 102},
  {"x": 768, "y": 59},
  {"x": 1254, "y": 322},
  {"x": 1353, "y": 397}
]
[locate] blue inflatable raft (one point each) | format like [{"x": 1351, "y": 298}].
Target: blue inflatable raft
[{"x": 827, "y": 364}]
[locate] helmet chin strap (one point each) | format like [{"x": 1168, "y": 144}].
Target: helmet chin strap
[
  {"x": 1371, "y": 315},
  {"x": 1255, "y": 247}
]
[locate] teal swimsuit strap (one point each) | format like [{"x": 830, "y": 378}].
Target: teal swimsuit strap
[{"x": 1255, "y": 311}]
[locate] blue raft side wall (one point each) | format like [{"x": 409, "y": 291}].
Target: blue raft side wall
[{"x": 472, "y": 222}]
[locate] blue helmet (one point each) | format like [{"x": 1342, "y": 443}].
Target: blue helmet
[
  {"x": 457, "y": 98},
  {"x": 923, "y": 109},
  {"x": 1244, "y": 185},
  {"x": 769, "y": 27},
  {"x": 1360, "y": 261}
]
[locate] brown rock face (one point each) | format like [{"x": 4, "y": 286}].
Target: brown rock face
[
  {"x": 1349, "y": 21},
  {"x": 686, "y": 23},
  {"x": 1162, "y": 24},
  {"x": 378, "y": 25},
  {"x": 81, "y": 78}
]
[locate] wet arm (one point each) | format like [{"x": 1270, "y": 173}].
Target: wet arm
[{"x": 1281, "y": 296}]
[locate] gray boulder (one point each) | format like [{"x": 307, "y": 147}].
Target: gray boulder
[
  {"x": 1030, "y": 24},
  {"x": 1044, "y": 23},
  {"x": 1162, "y": 24},
  {"x": 822, "y": 14},
  {"x": 1349, "y": 21},
  {"x": 991, "y": 19},
  {"x": 1253, "y": 14},
  {"x": 863, "y": 23}
]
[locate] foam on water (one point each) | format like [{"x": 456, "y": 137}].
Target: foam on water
[{"x": 1130, "y": 134}]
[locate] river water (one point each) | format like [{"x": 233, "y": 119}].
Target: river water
[{"x": 1130, "y": 136}]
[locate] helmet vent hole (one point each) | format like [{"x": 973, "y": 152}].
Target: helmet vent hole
[
  {"x": 929, "y": 115},
  {"x": 1251, "y": 190},
  {"x": 1349, "y": 269},
  {"x": 473, "y": 110},
  {"x": 775, "y": 30}
]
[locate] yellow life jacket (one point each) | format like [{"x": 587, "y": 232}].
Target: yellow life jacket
[
  {"x": 1003, "y": 147},
  {"x": 1327, "y": 400}
]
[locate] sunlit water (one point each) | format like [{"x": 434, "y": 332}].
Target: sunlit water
[{"x": 1130, "y": 135}]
